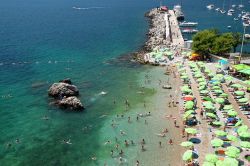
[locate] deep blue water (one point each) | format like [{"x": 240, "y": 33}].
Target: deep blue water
[{"x": 44, "y": 41}]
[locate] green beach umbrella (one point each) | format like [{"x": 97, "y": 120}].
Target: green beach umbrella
[
  {"x": 219, "y": 75},
  {"x": 202, "y": 83},
  {"x": 184, "y": 77},
  {"x": 218, "y": 91},
  {"x": 232, "y": 113},
  {"x": 197, "y": 75},
  {"x": 232, "y": 152},
  {"x": 243, "y": 100},
  {"x": 212, "y": 158},
  {"x": 245, "y": 144},
  {"x": 202, "y": 87},
  {"x": 227, "y": 162},
  {"x": 240, "y": 67},
  {"x": 207, "y": 99},
  {"x": 244, "y": 134},
  {"x": 239, "y": 93},
  {"x": 238, "y": 123},
  {"x": 247, "y": 82},
  {"x": 228, "y": 107},
  {"x": 216, "y": 142},
  {"x": 216, "y": 83},
  {"x": 187, "y": 144},
  {"x": 187, "y": 155},
  {"x": 217, "y": 123},
  {"x": 245, "y": 71},
  {"x": 211, "y": 115},
  {"x": 220, "y": 100},
  {"x": 188, "y": 113},
  {"x": 191, "y": 130},
  {"x": 189, "y": 105},
  {"x": 243, "y": 128},
  {"x": 228, "y": 78},
  {"x": 236, "y": 86},
  {"x": 220, "y": 133},
  {"x": 208, "y": 105},
  {"x": 207, "y": 71},
  {"x": 223, "y": 95},
  {"x": 200, "y": 80},
  {"x": 204, "y": 92},
  {"x": 210, "y": 74},
  {"x": 216, "y": 87},
  {"x": 207, "y": 164},
  {"x": 232, "y": 138}
]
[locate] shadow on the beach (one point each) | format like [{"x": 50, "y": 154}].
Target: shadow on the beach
[{"x": 195, "y": 140}]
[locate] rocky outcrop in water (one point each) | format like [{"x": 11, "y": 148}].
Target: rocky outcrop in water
[
  {"x": 62, "y": 89},
  {"x": 65, "y": 95},
  {"x": 71, "y": 102}
]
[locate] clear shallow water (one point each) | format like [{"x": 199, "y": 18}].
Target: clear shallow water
[{"x": 45, "y": 41}]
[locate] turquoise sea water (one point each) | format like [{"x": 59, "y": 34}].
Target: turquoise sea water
[{"x": 44, "y": 41}]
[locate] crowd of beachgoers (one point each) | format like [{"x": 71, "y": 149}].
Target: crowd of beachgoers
[{"x": 215, "y": 110}]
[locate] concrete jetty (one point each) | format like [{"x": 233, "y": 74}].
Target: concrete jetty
[{"x": 173, "y": 31}]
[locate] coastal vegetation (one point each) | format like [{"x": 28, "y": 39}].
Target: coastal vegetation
[{"x": 211, "y": 41}]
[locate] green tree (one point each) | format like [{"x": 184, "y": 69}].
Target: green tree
[
  {"x": 223, "y": 44},
  {"x": 237, "y": 40},
  {"x": 203, "y": 41}
]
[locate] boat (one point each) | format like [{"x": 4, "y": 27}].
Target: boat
[
  {"x": 246, "y": 23},
  {"x": 241, "y": 6},
  {"x": 217, "y": 9},
  {"x": 229, "y": 14},
  {"x": 188, "y": 30},
  {"x": 188, "y": 24},
  {"x": 229, "y": 27},
  {"x": 236, "y": 19},
  {"x": 178, "y": 12},
  {"x": 210, "y": 6},
  {"x": 247, "y": 36},
  {"x": 233, "y": 6}
]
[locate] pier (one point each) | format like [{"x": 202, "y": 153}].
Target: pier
[{"x": 173, "y": 32}]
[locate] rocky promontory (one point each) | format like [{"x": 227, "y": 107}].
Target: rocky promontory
[
  {"x": 65, "y": 95},
  {"x": 156, "y": 34}
]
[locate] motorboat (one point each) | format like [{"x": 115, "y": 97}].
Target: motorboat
[
  {"x": 210, "y": 7},
  {"x": 241, "y": 6},
  {"x": 229, "y": 14},
  {"x": 231, "y": 11},
  {"x": 247, "y": 36},
  {"x": 229, "y": 27},
  {"x": 188, "y": 24},
  {"x": 233, "y": 6},
  {"x": 217, "y": 9},
  {"x": 188, "y": 30},
  {"x": 178, "y": 12},
  {"x": 246, "y": 23},
  {"x": 236, "y": 19}
]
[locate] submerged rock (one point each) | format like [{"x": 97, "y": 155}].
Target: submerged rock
[
  {"x": 71, "y": 102},
  {"x": 63, "y": 89}
]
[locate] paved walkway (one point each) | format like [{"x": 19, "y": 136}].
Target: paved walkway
[{"x": 175, "y": 31}]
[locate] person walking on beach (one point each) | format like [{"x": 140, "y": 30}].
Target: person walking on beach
[
  {"x": 111, "y": 153},
  {"x": 129, "y": 119},
  {"x": 137, "y": 163},
  {"x": 175, "y": 123},
  {"x": 160, "y": 144},
  {"x": 143, "y": 141},
  {"x": 170, "y": 142}
]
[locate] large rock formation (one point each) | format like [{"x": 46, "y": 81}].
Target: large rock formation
[
  {"x": 65, "y": 95},
  {"x": 71, "y": 102},
  {"x": 63, "y": 89}
]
